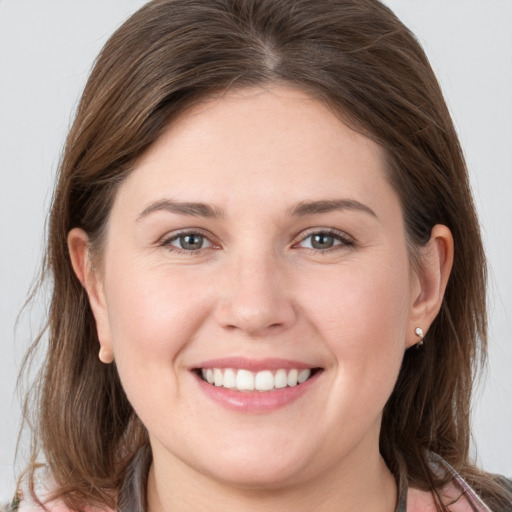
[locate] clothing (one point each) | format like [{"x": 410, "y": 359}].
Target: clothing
[{"x": 457, "y": 494}]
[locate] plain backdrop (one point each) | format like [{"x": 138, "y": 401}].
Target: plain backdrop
[{"x": 46, "y": 51}]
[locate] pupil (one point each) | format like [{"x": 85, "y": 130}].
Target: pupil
[
  {"x": 322, "y": 241},
  {"x": 191, "y": 241}
]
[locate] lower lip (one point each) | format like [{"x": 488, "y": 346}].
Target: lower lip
[{"x": 256, "y": 401}]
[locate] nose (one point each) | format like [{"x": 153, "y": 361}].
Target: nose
[{"x": 254, "y": 297}]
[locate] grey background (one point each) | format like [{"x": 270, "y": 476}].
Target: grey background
[{"x": 46, "y": 50}]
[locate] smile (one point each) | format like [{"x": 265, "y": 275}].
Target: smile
[
  {"x": 264, "y": 380},
  {"x": 255, "y": 386}
]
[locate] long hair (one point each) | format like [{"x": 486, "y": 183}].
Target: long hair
[{"x": 360, "y": 60}]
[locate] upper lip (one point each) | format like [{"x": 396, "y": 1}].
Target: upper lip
[{"x": 255, "y": 365}]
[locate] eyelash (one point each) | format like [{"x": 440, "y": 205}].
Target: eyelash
[{"x": 342, "y": 238}]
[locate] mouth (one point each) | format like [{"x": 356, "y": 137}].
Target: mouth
[
  {"x": 256, "y": 386},
  {"x": 266, "y": 380}
]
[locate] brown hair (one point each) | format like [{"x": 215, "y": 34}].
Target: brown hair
[{"x": 358, "y": 58}]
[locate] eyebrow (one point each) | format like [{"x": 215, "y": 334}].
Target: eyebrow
[
  {"x": 182, "y": 208},
  {"x": 324, "y": 206},
  {"x": 301, "y": 209}
]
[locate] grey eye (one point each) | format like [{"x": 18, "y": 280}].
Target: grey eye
[
  {"x": 322, "y": 241},
  {"x": 190, "y": 242},
  {"x": 325, "y": 240},
  {"x": 187, "y": 242}
]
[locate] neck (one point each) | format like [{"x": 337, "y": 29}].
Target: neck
[{"x": 354, "y": 484}]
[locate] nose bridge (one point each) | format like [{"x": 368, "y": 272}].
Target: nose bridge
[{"x": 253, "y": 297}]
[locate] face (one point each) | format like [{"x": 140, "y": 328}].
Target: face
[{"x": 256, "y": 290}]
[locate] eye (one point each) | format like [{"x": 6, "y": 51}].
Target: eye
[
  {"x": 324, "y": 240},
  {"x": 187, "y": 242}
]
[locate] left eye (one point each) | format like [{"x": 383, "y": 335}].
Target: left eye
[
  {"x": 323, "y": 241},
  {"x": 189, "y": 242}
]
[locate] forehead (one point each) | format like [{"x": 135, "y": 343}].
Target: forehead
[{"x": 275, "y": 144}]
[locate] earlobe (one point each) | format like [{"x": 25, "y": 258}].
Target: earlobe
[
  {"x": 79, "y": 252},
  {"x": 436, "y": 260}
]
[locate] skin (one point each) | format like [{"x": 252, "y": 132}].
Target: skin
[{"x": 258, "y": 289}]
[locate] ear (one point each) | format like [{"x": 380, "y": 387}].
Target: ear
[
  {"x": 91, "y": 280},
  {"x": 435, "y": 265}
]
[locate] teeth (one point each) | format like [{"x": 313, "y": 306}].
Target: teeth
[
  {"x": 280, "y": 379},
  {"x": 264, "y": 381},
  {"x": 303, "y": 376},
  {"x": 245, "y": 380},
  {"x": 229, "y": 378},
  {"x": 217, "y": 377},
  {"x": 292, "y": 377}
]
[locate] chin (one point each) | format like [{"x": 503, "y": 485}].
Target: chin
[
  {"x": 265, "y": 465},
  {"x": 257, "y": 475}
]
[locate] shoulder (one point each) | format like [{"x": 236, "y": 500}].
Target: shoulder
[
  {"x": 30, "y": 505},
  {"x": 27, "y": 499},
  {"x": 40, "y": 500},
  {"x": 451, "y": 496},
  {"x": 457, "y": 495}
]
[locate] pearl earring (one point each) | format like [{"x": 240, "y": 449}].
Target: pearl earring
[
  {"x": 105, "y": 356},
  {"x": 419, "y": 332}
]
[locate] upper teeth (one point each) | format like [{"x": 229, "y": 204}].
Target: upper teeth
[{"x": 245, "y": 380}]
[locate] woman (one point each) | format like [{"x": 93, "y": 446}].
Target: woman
[{"x": 268, "y": 273}]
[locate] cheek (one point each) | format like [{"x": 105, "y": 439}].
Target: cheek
[
  {"x": 362, "y": 312},
  {"x": 362, "y": 299},
  {"x": 153, "y": 313}
]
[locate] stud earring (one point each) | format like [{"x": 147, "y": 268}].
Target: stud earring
[
  {"x": 419, "y": 332},
  {"x": 105, "y": 356}
]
